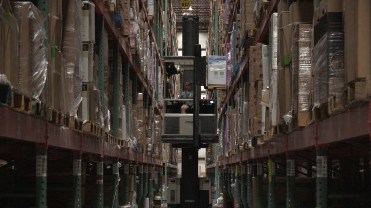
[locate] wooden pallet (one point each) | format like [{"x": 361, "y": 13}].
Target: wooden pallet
[
  {"x": 335, "y": 104},
  {"x": 74, "y": 123},
  {"x": 5, "y": 94},
  {"x": 356, "y": 93},
  {"x": 21, "y": 103},
  {"x": 320, "y": 113}
]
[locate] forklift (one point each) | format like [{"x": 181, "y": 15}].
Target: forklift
[{"x": 191, "y": 130}]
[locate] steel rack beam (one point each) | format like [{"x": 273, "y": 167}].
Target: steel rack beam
[
  {"x": 264, "y": 26},
  {"x": 353, "y": 123},
  {"x": 23, "y": 127}
]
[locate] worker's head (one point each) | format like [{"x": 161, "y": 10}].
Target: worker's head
[{"x": 188, "y": 86}]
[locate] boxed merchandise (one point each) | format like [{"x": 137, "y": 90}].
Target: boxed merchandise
[
  {"x": 71, "y": 51},
  {"x": 284, "y": 86},
  {"x": 90, "y": 99},
  {"x": 284, "y": 38},
  {"x": 273, "y": 59},
  {"x": 328, "y": 67},
  {"x": 357, "y": 30},
  {"x": 55, "y": 25},
  {"x": 9, "y": 50},
  {"x": 302, "y": 71},
  {"x": 33, "y": 63},
  {"x": 88, "y": 72},
  {"x": 88, "y": 22},
  {"x": 301, "y": 12}
]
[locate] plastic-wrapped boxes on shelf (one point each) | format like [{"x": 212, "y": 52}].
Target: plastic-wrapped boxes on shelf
[
  {"x": 32, "y": 56},
  {"x": 88, "y": 22},
  {"x": 302, "y": 72}
]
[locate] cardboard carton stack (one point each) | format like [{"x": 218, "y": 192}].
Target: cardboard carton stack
[
  {"x": 123, "y": 8},
  {"x": 357, "y": 33}
]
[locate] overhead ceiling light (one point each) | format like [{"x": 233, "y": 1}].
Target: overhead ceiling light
[{"x": 190, "y": 8}]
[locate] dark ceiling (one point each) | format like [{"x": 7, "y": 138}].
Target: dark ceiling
[{"x": 200, "y": 8}]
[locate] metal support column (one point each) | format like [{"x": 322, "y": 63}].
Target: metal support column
[
  {"x": 271, "y": 184},
  {"x": 243, "y": 185},
  {"x": 321, "y": 179},
  {"x": 166, "y": 22},
  {"x": 41, "y": 176},
  {"x": 126, "y": 184},
  {"x": 145, "y": 182},
  {"x": 77, "y": 180},
  {"x": 115, "y": 184},
  {"x": 117, "y": 68},
  {"x": 126, "y": 97},
  {"x": 259, "y": 185},
  {"x": 249, "y": 185},
  {"x": 99, "y": 183},
  {"x": 140, "y": 186},
  {"x": 151, "y": 175},
  {"x": 237, "y": 186},
  {"x": 290, "y": 183}
]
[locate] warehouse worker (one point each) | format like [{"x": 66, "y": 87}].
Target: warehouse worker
[{"x": 186, "y": 94}]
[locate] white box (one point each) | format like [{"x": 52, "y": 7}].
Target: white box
[{"x": 88, "y": 22}]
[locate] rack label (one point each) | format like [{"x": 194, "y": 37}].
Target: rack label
[
  {"x": 100, "y": 168},
  {"x": 321, "y": 166},
  {"x": 115, "y": 168},
  {"x": 290, "y": 170},
  {"x": 185, "y": 3},
  {"x": 41, "y": 165},
  {"x": 77, "y": 167}
]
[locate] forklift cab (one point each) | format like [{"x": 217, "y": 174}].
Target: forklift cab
[{"x": 178, "y": 126}]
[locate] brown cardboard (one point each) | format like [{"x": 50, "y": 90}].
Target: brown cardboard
[
  {"x": 357, "y": 29},
  {"x": 301, "y": 12},
  {"x": 9, "y": 51},
  {"x": 282, "y": 6},
  {"x": 55, "y": 24},
  {"x": 284, "y": 93},
  {"x": 285, "y": 45},
  {"x": 304, "y": 118}
]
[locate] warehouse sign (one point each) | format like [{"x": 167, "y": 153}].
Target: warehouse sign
[{"x": 185, "y": 3}]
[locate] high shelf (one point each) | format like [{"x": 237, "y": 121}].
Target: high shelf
[{"x": 290, "y": 136}]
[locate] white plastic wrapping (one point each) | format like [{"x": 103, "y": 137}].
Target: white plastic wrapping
[
  {"x": 273, "y": 36},
  {"x": 72, "y": 50},
  {"x": 328, "y": 56},
  {"x": 302, "y": 66},
  {"x": 32, "y": 59}
]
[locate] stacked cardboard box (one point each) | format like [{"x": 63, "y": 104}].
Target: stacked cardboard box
[
  {"x": 357, "y": 29},
  {"x": 302, "y": 72}
]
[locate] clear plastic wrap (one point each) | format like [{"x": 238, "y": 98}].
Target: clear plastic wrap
[
  {"x": 9, "y": 50},
  {"x": 32, "y": 59},
  {"x": 72, "y": 50},
  {"x": 302, "y": 65},
  {"x": 273, "y": 88},
  {"x": 328, "y": 56}
]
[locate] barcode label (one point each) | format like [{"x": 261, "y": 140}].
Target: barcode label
[
  {"x": 77, "y": 167},
  {"x": 290, "y": 167},
  {"x": 100, "y": 168},
  {"x": 115, "y": 168},
  {"x": 41, "y": 165},
  {"x": 321, "y": 166}
]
